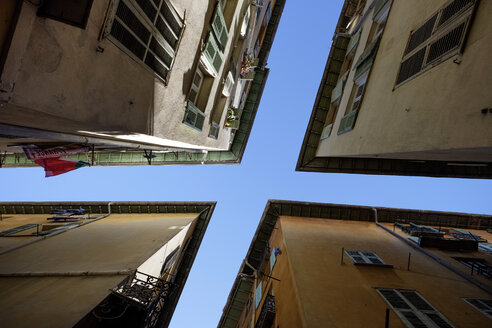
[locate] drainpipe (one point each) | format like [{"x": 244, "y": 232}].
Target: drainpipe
[
  {"x": 433, "y": 256},
  {"x": 109, "y": 208},
  {"x": 255, "y": 281}
]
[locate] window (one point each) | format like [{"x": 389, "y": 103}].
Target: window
[
  {"x": 228, "y": 84},
  {"x": 148, "y": 31},
  {"x": 413, "y": 309},
  {"x": 482, "y": 305},
  {"x": 360, "y": 257},
  {"x": 169, "y": 261},
  {"x": 330, "y": 119},
  {"x": 213, "y": 54},
  {"x": 74, "y": 12},
  {"x": 219, "y": 27},
  {"x": 440, "y": 37},
  {"x": 477, "y": 266},
  {"x": 258, "y": 294},
  {"x": 194, "y": 117},
  {"x": 348, "y": 121},
  {"x": 214, "y": 131},
  {"x": 196, "y": 86}
]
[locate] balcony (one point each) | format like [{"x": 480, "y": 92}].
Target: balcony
[
  {"x": 267, "y": 314},
  {"x": 146, "y": 292}
]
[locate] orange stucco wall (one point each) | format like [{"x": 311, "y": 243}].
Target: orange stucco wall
[{"x": 325, "y": 293}]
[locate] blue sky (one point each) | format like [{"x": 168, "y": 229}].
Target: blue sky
[{"x": 267, "y": 172}]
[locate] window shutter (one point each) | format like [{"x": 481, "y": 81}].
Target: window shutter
[
  {"x": 413, "y": 309},
  {"x": 219, "y": 27},
  {"x": 338, "y": 90},
  {"x": 212, "y": 53},
  {"x": 193, "y": 116},
  {"x": 453, "y": 9},
  {"x": 258, "y": 294},
  {"x": 421, "y": 34},
  {"x": 348, "y": 121},
  {"x": 380, "y": 10},
  {"x": 483, "y": 305},
  {"x": 446, "y": 43},
  {"x": 354, "y": 40},
  {"x": 273, "y": 259},
  {"x": 366, "y": 59},
  {"x": 326, "y": 131},
  {"x": 411, "y": 66}
]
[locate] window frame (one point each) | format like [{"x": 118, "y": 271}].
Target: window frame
[
  {"x": 150, "y": 26},
  {"x": 421, "y": 314},
  {"x": 196, "y": 88},
  {"x": 438, "y": 32},
  {"x": 81, "y": 24},
  {"x": 487, "y": 313},
  {"x": 365, "y": 257}
]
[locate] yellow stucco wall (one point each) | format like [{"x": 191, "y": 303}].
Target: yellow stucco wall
[
  {"x": 437, "y": 110},
  {"x": 336, "y": 295},
  {"x": 118, "y": 242},
  {"x": 50, "y": 302}
]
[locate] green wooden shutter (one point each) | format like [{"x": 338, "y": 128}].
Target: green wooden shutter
[
  {"x": 219, "y": 27},
  {"x": 212, "y": 53},
  {"x": 348, "y": 121},
  {"x": 194, "y": 117},
  {"x": 338, "y": 90},
  {"x": 366, "y": 59}
]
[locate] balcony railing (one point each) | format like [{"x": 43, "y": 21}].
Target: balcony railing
[
  {"x": 147, "y": 292},
  {"x": 267, "y": 314}
]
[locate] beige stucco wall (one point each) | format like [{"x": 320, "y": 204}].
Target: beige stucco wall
[
  {"x": 118, "y": 242},
  {"x": 438, "y": 113},
  {"x": 336, "y": 295},
  {"x": 56, "y": 80}
]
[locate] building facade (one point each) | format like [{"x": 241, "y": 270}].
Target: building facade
[
  {"x": 180, "y": 79},
  {"x": 96, "y": 264},
  {"x": 405, "y": 91},
  {"x": 328, "y": 265}
]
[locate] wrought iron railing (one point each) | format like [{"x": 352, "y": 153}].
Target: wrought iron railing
[
  {"x": 267, "y": 314},
  {"x": 147, "y": 292}
]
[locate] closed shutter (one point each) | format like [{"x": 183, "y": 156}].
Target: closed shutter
[
  {"x": 326, "y": 131},
  {"x": 219, "y": 27},
  {"x": 348, "y": 121},
  {"x": 364, "y": 257},
  {"x": 440, "y": 37},
  {"x": 482, "y": 305},
  {"x": 212, "y": 53},
  {"x": 193, "y": 116},
  {"x": 413, "y": 309}
]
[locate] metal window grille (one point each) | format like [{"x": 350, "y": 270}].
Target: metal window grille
[
  {"x": 413, "y": 309},
  {"x": 440, "y": 37},
  {"x": 148, "y": 31}
]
